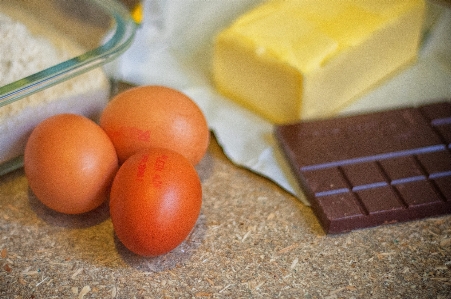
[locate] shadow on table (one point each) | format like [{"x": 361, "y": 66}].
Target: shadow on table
[
  {"x": 169, "y": 260},
  {"x": 54, "y": 218}
]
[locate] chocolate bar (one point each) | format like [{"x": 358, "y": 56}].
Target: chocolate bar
[{"x": 372, "y": 169}]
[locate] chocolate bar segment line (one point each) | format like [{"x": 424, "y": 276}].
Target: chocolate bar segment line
[
  {"x": 379, "y": 157},
  {"x": 434, "y": 165},
  {"x": 343, "y": 140},
  {"x": 441, "y": 122}
]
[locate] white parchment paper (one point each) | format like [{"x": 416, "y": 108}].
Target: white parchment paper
[{"x": 173, "y": 48}]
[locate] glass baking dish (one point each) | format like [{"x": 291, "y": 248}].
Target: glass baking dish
[{"x": 101, "y": 29}]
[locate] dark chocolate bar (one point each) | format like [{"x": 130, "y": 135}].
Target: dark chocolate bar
[{"x": 372, "y": 169}]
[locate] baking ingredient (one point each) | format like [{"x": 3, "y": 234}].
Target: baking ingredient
[
  {"x": 373, "y": 169},
  {"x": 70, "y": 163},
  {"x": 24, "y": 52},
  {"x": 155, "y": 116},
  {"x": 288, "y": 59},
  {"x": 155, "y": 201}
]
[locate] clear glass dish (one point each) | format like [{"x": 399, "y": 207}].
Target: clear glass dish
[{"x": 102, "y": 28}]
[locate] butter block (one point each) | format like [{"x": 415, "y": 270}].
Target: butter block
[{"x": 298, "y": 59}]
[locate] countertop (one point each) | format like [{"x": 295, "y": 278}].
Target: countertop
[{"x": 252, "y": 240}]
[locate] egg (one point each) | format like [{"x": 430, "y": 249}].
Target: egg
[
  {"x": 70, "y": 163},
  {"x": 155, "y": 116},
  {"x": 155, "y": 201}
]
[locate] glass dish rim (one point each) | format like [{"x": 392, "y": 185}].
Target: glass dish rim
[{"x": 118, "y": 41}]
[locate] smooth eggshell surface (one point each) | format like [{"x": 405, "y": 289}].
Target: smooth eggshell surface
[
  {"x": 70, "y": 163},
  {"x": 155, "y": 116}
]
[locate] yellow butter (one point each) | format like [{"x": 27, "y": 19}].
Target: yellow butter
[{"x": 298, "y": 59}]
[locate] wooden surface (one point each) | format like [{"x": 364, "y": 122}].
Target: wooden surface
[{"x": 253, "y": 240}]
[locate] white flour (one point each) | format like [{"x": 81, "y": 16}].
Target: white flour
[{"x": 23, "y": 53}]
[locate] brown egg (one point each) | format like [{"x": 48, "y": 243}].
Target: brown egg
[
  {"x": 155, "y": 116},
  {"x": 70, "y": 163},
  {"x": 155, "y": 201}
]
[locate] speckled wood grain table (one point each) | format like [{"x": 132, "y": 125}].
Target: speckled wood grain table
[{"x": 252, "y": 240}]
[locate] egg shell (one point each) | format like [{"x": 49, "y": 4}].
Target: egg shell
[
  {"x": 70, "y": 163},
  {"x": 155, "y": 116},
  {"x": 155, "y": 201}
]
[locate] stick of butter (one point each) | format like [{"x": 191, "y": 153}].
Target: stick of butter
[{"x": 298, "y": 59}]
